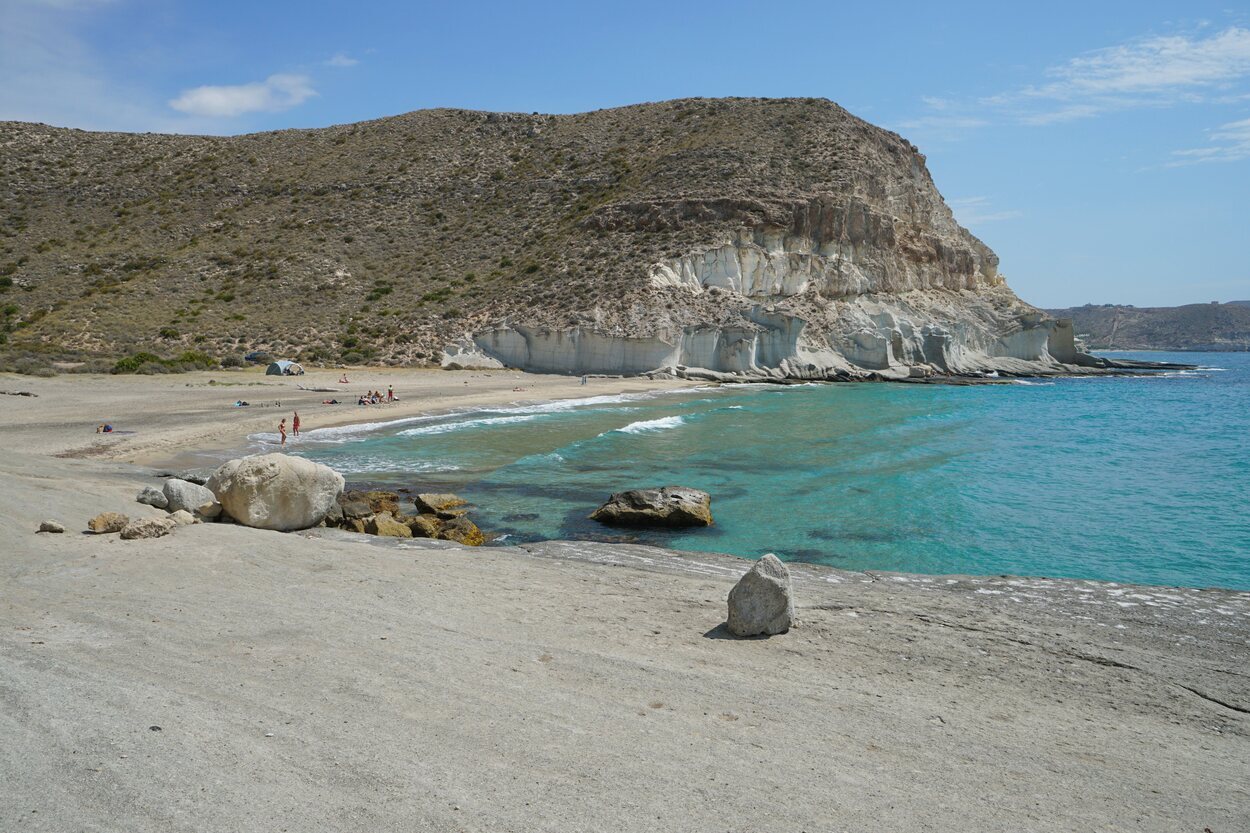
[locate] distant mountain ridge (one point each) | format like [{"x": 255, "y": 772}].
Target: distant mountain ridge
[{"x": 1210, "y": 327}]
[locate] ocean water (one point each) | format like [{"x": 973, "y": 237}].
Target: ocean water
[{"x": 1129, "y": 479}]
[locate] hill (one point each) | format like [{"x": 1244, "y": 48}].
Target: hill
[
  {"x": 775, "y": 236},
  {"x": 1198, "y": 327}
]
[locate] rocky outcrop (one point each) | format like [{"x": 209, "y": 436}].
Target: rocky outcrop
[
  {"x": 762, "y": 602},
  {"x": 384, "y": 524},
  {"x": 670, "y": 506},
  {"x": 276, "y": 491}
]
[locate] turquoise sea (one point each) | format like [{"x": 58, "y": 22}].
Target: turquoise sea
[{"x": 1127, "y": 479}]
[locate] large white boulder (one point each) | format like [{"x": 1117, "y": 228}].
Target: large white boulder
[{"x": 276, "y": 491}]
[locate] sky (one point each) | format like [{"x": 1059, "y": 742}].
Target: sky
[{"x": 1102, "y": 149}]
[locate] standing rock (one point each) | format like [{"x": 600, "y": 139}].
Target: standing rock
[
  {"x": 51, "y": 526},
  {"x": 276, "y": 491},
  {"x": 762, "y": 601},
  {"x": 152, "y": 496},
  {"x": 198, "y": 500},
  {"x": 107, "y": 522},
  {"x": 148, "y": 528},
  {"x": 670, "y": 506},
  {"x": 384, "y": 524}
]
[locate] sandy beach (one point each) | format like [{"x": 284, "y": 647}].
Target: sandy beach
[{"x": 224, "y": 678}]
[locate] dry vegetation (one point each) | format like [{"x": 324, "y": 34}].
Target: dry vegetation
[{"x": 380, "y": 241}]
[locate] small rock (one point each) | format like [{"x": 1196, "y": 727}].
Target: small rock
[
  {"x": 762, "y": 601},
  {"x": 107, "y": 522},
  {"x": 432, "y": 504},
  {"x": 670, "y": 506},
  {"x": 152, "y": 496},
  {"x": 51, "y": 526},
  {"x": 462, "y": 531},
  {"x": 385, "y": 524},
  {"x": 184, "y": 518},
  {"x": 196, "y": 499},
  {"x": 148, "y": 528},
  {"x": 358, "y": 509}
]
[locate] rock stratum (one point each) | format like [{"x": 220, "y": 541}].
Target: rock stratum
[{"x": 773, "y": 238}]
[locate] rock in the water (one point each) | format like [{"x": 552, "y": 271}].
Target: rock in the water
[
  {"x": 425, "y": 526},
  {"x": 432, "y": 504},
  {"x": 384, "y": 524},
  {"x": 670, "y": 506},
  {"x": 463, "y": 531},
  {"x": 152, "y": 496},
  {"x": 183, "y": 518},
  {"x": 196, "y": 499},
  {"x": 762, "y": 602},
  {"x": 148, "y": 528},
  {"x": 107, "y": 522},
  {"x": 276, "y": 491},
  {"x": 51, "y": 526}
]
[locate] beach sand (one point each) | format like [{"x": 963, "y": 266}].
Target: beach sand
[{"x": 324, "y": 681}]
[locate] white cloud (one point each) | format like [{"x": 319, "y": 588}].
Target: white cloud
[
  {"x": 1233, "y": 145},
  {"x": 341, "y": 60},
  {"x": 1162, "y": 71},
  {"x": 275, "y": 93},
  {"x": 974, "y": 211}
]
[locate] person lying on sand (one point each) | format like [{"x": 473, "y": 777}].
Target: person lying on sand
[
  {"x": 343, "y": 380},
  {"x": 104, "y": 428}
]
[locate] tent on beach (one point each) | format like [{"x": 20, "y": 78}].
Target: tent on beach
[{"x": 284, "y": 367}]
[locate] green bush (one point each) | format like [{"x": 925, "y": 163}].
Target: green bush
[
  {"x": 131, "y": 364},
  {"x": 169, "y": 332},
  {"x": 233, "y": 361}
]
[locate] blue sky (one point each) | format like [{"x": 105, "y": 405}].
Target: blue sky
[{"x": 1101, "y": 148}]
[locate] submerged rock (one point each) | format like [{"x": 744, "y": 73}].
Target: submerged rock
[
  {"x": 107, "y": 522},
  {"x": 762, "y": 601},
  {"x": 670, "y": 506},
  {"x": 148, "y": 528},
  {"x": 276, "y": 491}
]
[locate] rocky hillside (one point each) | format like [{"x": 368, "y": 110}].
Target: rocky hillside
[
  {"x": 783, "y": 237},
  {"x": 1205, "y": 327}
]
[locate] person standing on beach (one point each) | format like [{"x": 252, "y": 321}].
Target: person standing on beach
[
  {"x": 282, "y": 430},
  {"x": 390, "y": 393},
  {"x": 295, "y": 424}
]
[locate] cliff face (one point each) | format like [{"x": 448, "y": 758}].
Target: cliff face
[{"x": 742, "y": 236}]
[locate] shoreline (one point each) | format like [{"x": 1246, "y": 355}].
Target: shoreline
[{"x": 462, "y": 683}]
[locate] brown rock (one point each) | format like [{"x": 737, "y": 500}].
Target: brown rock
[
  {"x": 670, "y": 506},
  {"x": 462, "y": 531},
  {"x": 384, "y": 524},
  {"x": 148, "y": 528},
  {"x": 434, "y": 504},
  {"x": 425, "y": 526},
  {"x": 108, "y": 522}
]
